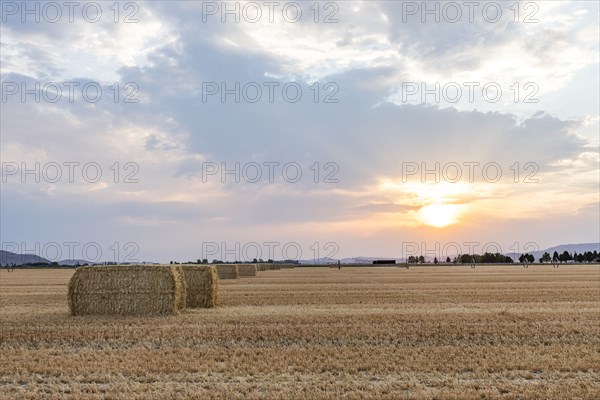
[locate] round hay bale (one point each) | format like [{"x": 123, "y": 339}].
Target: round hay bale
[
  {"x": 261, "y": 267},
  {"x": 227, "y": 271},
  {"x": 202, "y": 284},
  {"x": 127, "y": 290},
  {"x": 247, "y": 269}
]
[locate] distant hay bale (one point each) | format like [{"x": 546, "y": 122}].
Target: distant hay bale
[
  {"x": 227, "y": 271},
  {"x": 201, "y": 283},
  {"x": 287, "y": 266},
  {"x": 268, "y": 266},
  {"x": 127, "y": 290},
  {"x": 247, "y": 269}
]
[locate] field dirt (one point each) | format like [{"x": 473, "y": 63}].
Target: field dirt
[{"x": 491, "y": 332}]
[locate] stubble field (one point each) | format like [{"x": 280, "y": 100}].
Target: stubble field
[{"x": 423, "y": 333}]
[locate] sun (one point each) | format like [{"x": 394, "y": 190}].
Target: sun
[
  {"x": 439, "y": 215},
  {"x": 434, "y": 204}
]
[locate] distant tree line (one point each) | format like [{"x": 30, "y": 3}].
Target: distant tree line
[
  {"x": 565, "y": 256},
  {"x": 55, "y": 264},
  {"x": 497, "y": 258},
  {"x": 40, "y": 264}
]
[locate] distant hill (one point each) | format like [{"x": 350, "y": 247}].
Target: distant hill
[{"x": 6, "y": 257}]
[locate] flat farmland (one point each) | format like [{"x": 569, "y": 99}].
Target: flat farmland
[{"x": 426, "y": 333}]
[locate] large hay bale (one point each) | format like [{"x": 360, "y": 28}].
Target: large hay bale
[
  {"x": 201, "y": 283},
  {"x": 127, "y": 290},
  {"x": 227, "y": 271},
  {"x": 247, "y": 269}
]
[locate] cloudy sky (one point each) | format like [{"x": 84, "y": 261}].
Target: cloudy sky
[{"x": 185, "y": 129}]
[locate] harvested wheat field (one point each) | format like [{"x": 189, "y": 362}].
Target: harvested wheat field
[{"x": 425, "y": 333}]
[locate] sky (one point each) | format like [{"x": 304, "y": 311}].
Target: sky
[{"x": 183, "y": 130}]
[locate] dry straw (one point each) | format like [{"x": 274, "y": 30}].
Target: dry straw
[
  {"x": 261, "y": 267},
  {"x": 201, "y": 285},
  {"x": 227, "y": 271},
  {"x": 127, "y": 290},
  {"x": 247, "y": 269}
]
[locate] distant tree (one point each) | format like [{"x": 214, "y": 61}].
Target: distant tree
[
  {"x": 255, "y": 261},
  {"x": 555, "y": 256},
  {"x": 435, "y": 260},
  {"x": 421, "y": 259},
  {"x": 526, "y": 257},
  {"x": 412, "y": 259},
  {"x": 591, "y": 257},
  {"x": 448, "y": 259},
  {"x": 565, "y": 256},
  {"x": 465, "y": 259},
  {"x": 171, "y": 262}
]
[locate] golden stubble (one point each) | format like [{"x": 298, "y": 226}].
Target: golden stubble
[{"x": 423, "y": 333}]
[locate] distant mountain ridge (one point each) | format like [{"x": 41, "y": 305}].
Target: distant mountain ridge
[
  {"x": 9, "y": 258},
  {"x": 6, "y": 257}
]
